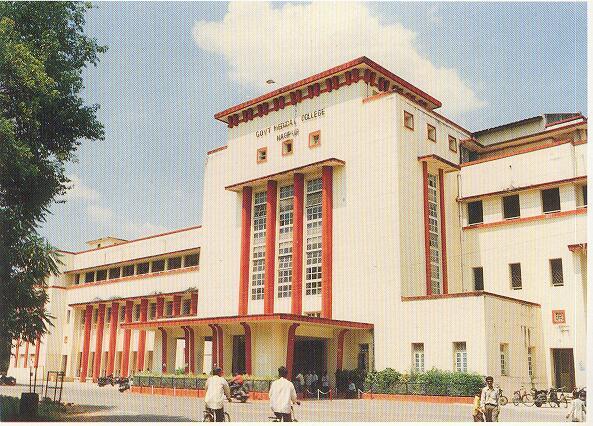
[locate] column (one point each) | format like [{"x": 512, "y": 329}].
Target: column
[
  {"x": 443, "y": 230},
  {"x": 125, "y": 360},
  {"x": 192, "y": 350},
  {"x": 177, "y": 305},
  {"x": 186, "y": 349},
  {"x": 220, "y": 336},
  {"x": 214, "y": 345},
  {"x": 37, "y": 347},
  {"x": 194, "y": 304},
  {"x": 112, "y": 337},
  {"x": 271, "y": 204},
  {"x": 290, "y": 349},
  {"x": 88, "y": 317},
  {"x": 297, "y": 244},
  {"x": 247, "y": 330},
  {"x": 340, "y": 358},
  {"x": 426, "y": 227},
  {"x": 163, "y": 350},
  {"x": 245, "y": 248},
  {"x": 16, "y": 353},
  {"x": 142, "y": 335},
  {"x": 99, "y": 342},
  {"x": 160, "y": 306},
  {"x": 326, "y": 241}
]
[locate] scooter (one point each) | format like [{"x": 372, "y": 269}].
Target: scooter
[
  {"x": 238, "y": 392},
  {"x": 125, "y": 383},
  {"x": 106, "y": 380}
]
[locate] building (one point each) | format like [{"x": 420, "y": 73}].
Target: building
[{"x": 347, "y": 224}]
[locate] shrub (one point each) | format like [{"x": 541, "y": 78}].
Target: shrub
[{"x": 9, "y": 408}]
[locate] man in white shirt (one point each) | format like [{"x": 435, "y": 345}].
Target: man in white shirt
[
  {"x": 489, "y": 400},
  {"x": 282, "y": 394},
  {"x": 217, "y": 389}
]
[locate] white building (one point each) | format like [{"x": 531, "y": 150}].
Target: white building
[{"x": 348, "y": 224}]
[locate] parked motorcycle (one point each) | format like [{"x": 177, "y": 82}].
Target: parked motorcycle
[
  {"x": 239, "y": 392},
  {"x": 7, "y": 380},
  {"x": 125, "y": 383},
  {"x": 106, "y": 380}
]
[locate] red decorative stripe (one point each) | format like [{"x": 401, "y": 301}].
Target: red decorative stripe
[{"x": 221, "y": 148}]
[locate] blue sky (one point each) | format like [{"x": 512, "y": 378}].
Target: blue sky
[{"x": 171, "y": 66}]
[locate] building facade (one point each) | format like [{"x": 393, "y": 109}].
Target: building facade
[{"x": 347, "y": 224}]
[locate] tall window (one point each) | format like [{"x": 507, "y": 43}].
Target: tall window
[
  {"x": 418, "y": 357},
  {"x": 556, "y": 272},
  {"x": 313, "y": 248},
  {"x": 258, "y": 273},
  {"x": 285, "y": 269},
  {"x": 551, "y": 200},
  {"x": 259, "y": 218},
  {"x": 530, "y": 360},
  {"x": 479, "y": 279},
  {"x": 286, "y": 212},
  {"x": 504, "y": 359},
  {"x": 516, "y": 282},
  {"x": 475, "y": 212},
  {"x": 511, "y": 206},
  {"x": 108, "y": 315},
  {"x": 434, "y": 231},
  {"x": 259, "y": 248},
  {"x": 314, "y": 207},
  {"x": 152, "y": 311},
  {"x": 460, "y": 351}
]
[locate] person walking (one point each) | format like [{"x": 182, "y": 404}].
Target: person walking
[
  {"x": 217, "y": 389},
  {"x": 308, "y": 381},
  {"x": 489, "y": 400},
  {"x": 477, "y": 413},
  {"x": 282, "y": 395},
  {"x": 324, "y": 382},
  {"x": 578, "y": 409},
  {"x": 300, "y": 379}
]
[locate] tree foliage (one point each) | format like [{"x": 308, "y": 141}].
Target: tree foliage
[{"x": 43, "y": 119}]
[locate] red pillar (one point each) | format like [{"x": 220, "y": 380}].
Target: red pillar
[
  {"x": 340, "y": 349},
  {"x": 290, "y": 349},
  {"x": 297, "y": 244},
  {"x": 194, "y": 304},
  {"x": 160, "y": 306},
  {"x": 16, "y": 353},
  {"x": 177, "y": 305},
  {"x": 112, "y": 337},
  {"x": 26, "y": 363},
  {"x": 99, "y": 342},
  {"x": 192, "y": 350},
  {"x": 142, "y": 335},
  {"x": 163, "y": 350},
  {"x": 443, "y": 230},
  {"x": 220, "y": 335},
  {"x": 88, "y": 317},
  {"x": 186, "y": 349},
  {"x": 271, "y": 204},
  {"x": 125, "y": 361},
  {"x": 245, "y": 248},
  {"x": 37, "y": 347},
  {"x": 214, "y": 345},
  {"x": 326, "y": 241},
  {"x": 247, "y": 329},
  {"x": 426, "y": 227}
]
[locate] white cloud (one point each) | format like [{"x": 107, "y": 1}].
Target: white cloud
[
  {"x": 295, "y": 41},
  {"x": 80, "y": 191}
]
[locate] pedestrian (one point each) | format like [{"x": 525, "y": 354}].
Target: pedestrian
[
  {"x": 351, "y": 389},
  {"x": 578, "y": 409},
  {"x": 489, "y": 400},
  {"x": 315, "y": 382},
  {"x": 217, "y": 389},
  {"x": 308, "y": 381},
  {"x": 477, "y": 413},
  {"x": 300, "y": 380},
  {"x": 324, "y": 382},
  {"x": 282, "y": 395}
]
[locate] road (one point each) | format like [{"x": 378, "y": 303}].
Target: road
[{"x": 92, "y": 403}]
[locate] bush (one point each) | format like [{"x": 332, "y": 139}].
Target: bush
[{"x": 9, "y": 408}]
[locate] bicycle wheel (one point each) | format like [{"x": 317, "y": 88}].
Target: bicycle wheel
[
  {"x": 516, "y": 399},
  {"x": 503, "y": 400},
  {"x": 208, "y": 417},
  {"x": 528, "y": 400},
  {"x": 227, "y": 418}
]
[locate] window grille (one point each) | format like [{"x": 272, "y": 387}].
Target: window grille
[
  {"x": 557, "y": 275},
  {"x": 516, "y": 283},
  {"x": 286, "y": 212},
  {"x": 313, "y": 266},
  {"x": 285, "y": 270},
  {"x": 460, "y": 356},
  {"x": 258, "y": 273}
]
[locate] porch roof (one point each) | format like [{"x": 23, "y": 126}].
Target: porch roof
[{"x": 262, "y": 318}]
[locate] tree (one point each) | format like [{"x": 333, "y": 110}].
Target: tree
[{"x": 43, "y": 119}]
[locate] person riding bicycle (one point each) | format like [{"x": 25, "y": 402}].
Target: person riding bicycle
[
  {"x": 282, "y": 395},
  {"x": 217, "y": 389}
]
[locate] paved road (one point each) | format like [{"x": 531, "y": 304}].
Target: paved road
[{"x": 107, "y": 404}]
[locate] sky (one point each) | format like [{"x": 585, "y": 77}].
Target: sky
[{"x": 171, "y": 66}]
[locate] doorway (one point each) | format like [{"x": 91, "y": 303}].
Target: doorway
[
  {"x": 310, "y": 354},
  {"x": 563, "y": 362},
  {"x": 238, "y": 365}
]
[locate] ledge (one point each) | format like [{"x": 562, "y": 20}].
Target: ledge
[
  {"x": 440, "y": 162},
  {"x": 466, "y": 294},
  {"x": 582, "y": 210},
  {"x": 134, "y": 277},
  {"x": 524, "y": 188}
]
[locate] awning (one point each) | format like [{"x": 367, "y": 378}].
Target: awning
[{"x": 439, "y": 162}]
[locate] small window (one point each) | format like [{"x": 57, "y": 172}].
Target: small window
[
  {"x": 174, "y": 263},
  {"x": 114, "y": 273},
  {"x": 460, "y": 353},
  {"x": 418, "y": 357},
  {"x": 136, "y": 312},
  {"x": 186, "y": 307},
  {"x": 191, "y": 260},
  {"x": 89, "y": 277},
  {"x": 314, "y": 139},
  {"x": 102, "y": 275},
  {"x": 511, "y": 207},
  {"x": 122, "y": 313},
  {"x": 584, "y": 194},
  {"x": 108, "y": 315},
  {"x": 95, "y": 315},
  {"x": 530, "y": 360},
  {"x": 504, "y": 359},
  {"x": 158, "y": 265},
  {"x": 128, "y": 270},
  {"x": 431, "y": 133},
  {"x": 478, "y": 278},
  {"x": 556, "y": 271},
  {"x": 77, "y": 279},
  {"x": 68, "y": 316},
  {"x": 65, "y": 340},
  {"x": 452, "y": 144},
  {"x": 558, "y": 317},
  {"x": 475, "y": 212},
  {"x": 262, "y": 155},
  {"x": 287, "y": 147},
  {"x": 169, "y": 309},
  {"x": 408, "y": 120},
  {"x": 152, "y": 310},
  {"x": 143, "y": 268},
  {"x": 516, "y": 283},
  {"x": 551, "y": 200}
]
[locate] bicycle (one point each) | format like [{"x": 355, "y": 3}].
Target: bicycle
[
  {"x": 276, "y": 419},
  {"x": 522, "y": 397},
  {"x": 502, "y": 400},
  {"x": 210, "y": 417},
  {"x": 551, "y": 397}
]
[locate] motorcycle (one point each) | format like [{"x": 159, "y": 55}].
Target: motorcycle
[
  {"x": 239, "y": 392},
  {"x": 125, "y": 383},
  {"x": 7, "y": 380},
  {"x": 106, "y": 380}
]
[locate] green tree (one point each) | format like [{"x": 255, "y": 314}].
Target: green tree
[{"x": 43, "y": 119}]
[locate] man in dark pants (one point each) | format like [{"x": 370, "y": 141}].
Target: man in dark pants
[
  {"x": 217, "y": 389},
  {"x": 282, "y": 396},
  {"x": 489, "y": 400}
]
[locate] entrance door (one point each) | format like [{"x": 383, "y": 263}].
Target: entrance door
[
  {"x": 310, "y": 355},
  {"x": 238, "y": 354},
  {"x": 563, "y": 368}
]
